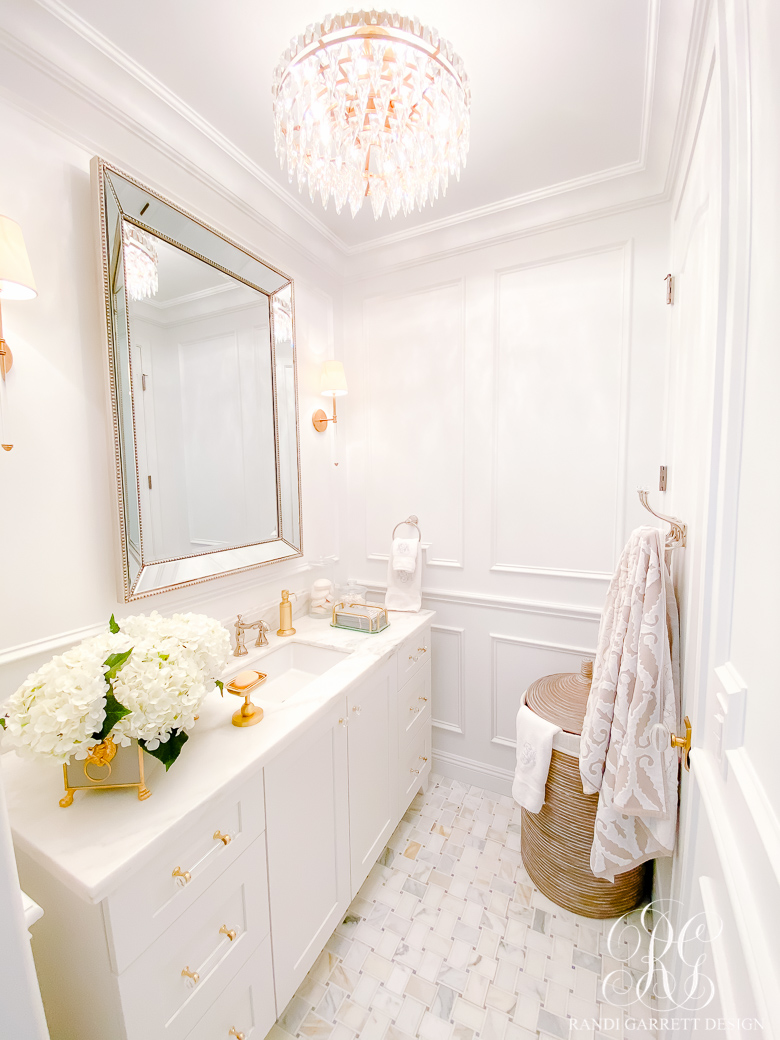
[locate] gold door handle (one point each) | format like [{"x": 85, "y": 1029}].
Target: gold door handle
[
  {"x": 183, "y": 876},
  {"x": 224, "y": 838},
  {"x": 186, "y": 973},
  {"x": 684, "y": 743},
  {"x": 235, "y": 1033},
  {"x": 229, "y": 932}
]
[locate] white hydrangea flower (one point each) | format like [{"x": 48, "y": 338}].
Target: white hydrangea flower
[{"x": 173, "y": 665}]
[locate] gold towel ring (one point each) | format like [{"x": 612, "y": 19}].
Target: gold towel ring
[{"x": 412, "y": 521}]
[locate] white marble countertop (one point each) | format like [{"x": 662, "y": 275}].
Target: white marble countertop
[{"x": 103, "y": 837}]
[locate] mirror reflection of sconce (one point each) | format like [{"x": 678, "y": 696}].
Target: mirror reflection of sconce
[
  {"x": 333, "y": 383},
  {"x": 16, "y": 283}
]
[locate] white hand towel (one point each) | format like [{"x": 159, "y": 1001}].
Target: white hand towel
[
  {"x": 535, "y": 737},
  {"x": 404, "y": 554},
  {"x": 404, "y": 587}
]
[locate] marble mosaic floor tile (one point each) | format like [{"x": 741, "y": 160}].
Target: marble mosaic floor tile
[{"x": 448, "y": 939}]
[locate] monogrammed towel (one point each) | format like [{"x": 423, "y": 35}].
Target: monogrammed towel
[{"x": 535, "y": 737}]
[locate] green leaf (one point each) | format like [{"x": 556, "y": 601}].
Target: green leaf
[
  {"x": 221, "y": 686},
  {"x": 168, "y": 752},
  {"x": 2, "y": 721},
  {"x": 113, "y": 625},
  {"x": 113, "y": 663},
  {"x": 114, "y": 712}
]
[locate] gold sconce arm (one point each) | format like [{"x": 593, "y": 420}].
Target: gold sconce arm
[{"x": 320, "y": 420}]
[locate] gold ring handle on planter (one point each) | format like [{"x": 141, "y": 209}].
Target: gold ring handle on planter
[
  {"x": 183, "y": 876},
  {"x": 229, "y": 932},
  {"x": 235, "y": 1033},
  {"x": 224, "y": 838},
  {"x": 684, "y": 743},
  {"x": 186, "y": 973}
]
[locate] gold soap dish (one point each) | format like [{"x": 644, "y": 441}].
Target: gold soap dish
[{"x": 244, "y": 683}]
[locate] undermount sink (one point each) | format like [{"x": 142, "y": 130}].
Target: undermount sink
[{"x": 291, "y": 667}]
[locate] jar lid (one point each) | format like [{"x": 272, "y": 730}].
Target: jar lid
[{"x": 562, "y": 698}]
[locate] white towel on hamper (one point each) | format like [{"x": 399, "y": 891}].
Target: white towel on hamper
[
  {"x": 535, "y": 737},
  {"x": 635, "y": 688},
  {"x": 404, "y": 554},
  {"x": 404, "y": 590}
]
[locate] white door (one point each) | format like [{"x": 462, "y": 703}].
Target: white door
[
  {"x": 725, "y": 945},
  {"x": 373, "y": 764},
  {"x": 307, "y": 831}
]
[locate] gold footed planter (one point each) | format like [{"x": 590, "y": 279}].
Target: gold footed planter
[{"x": 108, "y": 766}]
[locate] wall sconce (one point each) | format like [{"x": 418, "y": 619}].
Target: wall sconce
[
  {"x": 333, "y": 383},
  {"x": 16, "y": 283}
]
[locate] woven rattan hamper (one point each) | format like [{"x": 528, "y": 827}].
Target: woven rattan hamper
[{"x": 555, "y": 842}]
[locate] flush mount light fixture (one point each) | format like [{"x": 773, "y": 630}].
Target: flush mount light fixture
[
  {"x": 140, "y": 262},
  {"x": 333, "y": 383},
  {"x": 372, "y": 104}
]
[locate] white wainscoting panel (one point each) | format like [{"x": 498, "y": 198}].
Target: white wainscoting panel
[
  {"x": 561, "y": 372},
  {"x": 515, "y": 664},
  {"x": 448, "y": 677},
  {"x": 414, "y": 424}
]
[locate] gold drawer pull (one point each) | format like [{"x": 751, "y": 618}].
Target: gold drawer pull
[
  {"x": 186, "y": 973},
  {"x": 422, "y": 649},
  {"x": 183, "y": 877},
  {"x": 423, "y": 758},
  {"x": 224, "y": 838},
  {"x": 411, "y": 658},
  {"x": 415, "y": 711},
  {"x": 343, "y": 722},
  {"x": 229, "y": 932},
  {"x": 357, "y": 709},
  {"x": 414, "y": 771},
  {"x": 422, "y": 698},
  {"x": 234, "y": 1032}
]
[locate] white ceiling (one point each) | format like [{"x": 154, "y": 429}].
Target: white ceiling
[{"x": 562, "y": 90}]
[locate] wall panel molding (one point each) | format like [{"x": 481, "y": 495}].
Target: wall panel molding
[
  {"x": 495, "y": 642},
  {"x": 467, "y": 770},
  {"x": 618, "y": 508},
  {"x": 572, "y": 611},
  {"x": 374, "y": 552},
  {"x": 459, "y": 724}
]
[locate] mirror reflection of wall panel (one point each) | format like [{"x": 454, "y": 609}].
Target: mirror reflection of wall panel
[{"x": 203, "y": 390}]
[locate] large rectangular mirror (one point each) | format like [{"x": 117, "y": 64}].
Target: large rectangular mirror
[{"x": 201, "y": 351}]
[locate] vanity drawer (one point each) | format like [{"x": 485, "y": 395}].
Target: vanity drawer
[
  {"x": 413, "y": 654},
  {"x": 414, "y": 705},
  {"x": 246, "y": 1006},
  {"x": 415, "y": 767},
  {"x": 152, "y": 899},
  {"x": 157, "y": 999}
]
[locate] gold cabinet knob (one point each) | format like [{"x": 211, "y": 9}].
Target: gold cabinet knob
[
  {"x": 412, "y": 657},
  {"x": 342, "y": 722},
  {"x": 224, "y": 838},
  {"x": 182, "y": 876},
  {"x": 186, "y": 973},
  {"x": 423, "y": 758},
  {"x": 422, "y": 698},
  {"x": 229, "y": 932},
  {"x": 422, "y": 649},
  {"x": 235, "y": 1033},
  {"x": 357, "y": 709},
  {"x": 415, "y": 710},
  {"x": 414, "y": 771}
]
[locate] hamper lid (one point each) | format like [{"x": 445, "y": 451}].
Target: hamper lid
[{"x": 562, "y": 698}]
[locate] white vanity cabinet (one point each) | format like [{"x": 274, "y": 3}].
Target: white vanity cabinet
[
  {"x": 307, "y": 811},
  {"x": 195, "y": 915},
  {"x": 372, "y": 744}
]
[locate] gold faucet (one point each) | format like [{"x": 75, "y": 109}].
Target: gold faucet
[{"x": 243, "y": 626}]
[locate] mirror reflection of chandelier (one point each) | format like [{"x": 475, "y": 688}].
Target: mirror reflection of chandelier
[
  {"x": 372, "y": 104},
  {"x": 140, "y": 262},
  {"x": 282, "y": 310}
]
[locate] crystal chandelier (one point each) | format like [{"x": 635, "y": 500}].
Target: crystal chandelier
[
  {"x": 372, "y": 103},
  {"x": 140, "y": 262}
]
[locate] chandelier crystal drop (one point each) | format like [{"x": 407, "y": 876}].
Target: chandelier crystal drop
[
  {"x": 140, "y": 262},
  {"x": 371, "y": 104}
]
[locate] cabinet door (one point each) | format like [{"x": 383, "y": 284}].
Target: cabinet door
[
  {"x": 307, "y": 833},
  {"x": 373, "y": 767}
]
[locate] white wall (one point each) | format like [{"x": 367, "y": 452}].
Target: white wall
[
  {"x": 57, "y": 485},
  {"x": 512, "y": 397}
]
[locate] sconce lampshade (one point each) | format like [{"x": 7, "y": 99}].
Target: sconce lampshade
[
  {"x": 333, "y": 382},
  {"x": 16, "y": 277}
]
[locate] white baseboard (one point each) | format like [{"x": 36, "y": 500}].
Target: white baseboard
[{"x": 476, "y": 774}]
